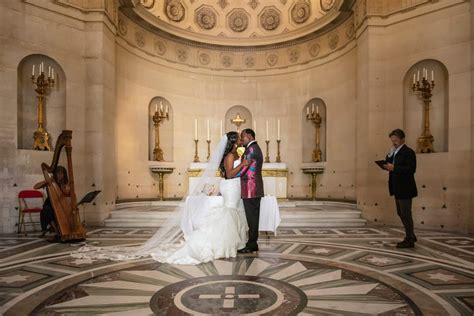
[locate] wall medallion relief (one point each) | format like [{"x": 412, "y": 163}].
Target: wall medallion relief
[
  {"x": 272, "y": 60},
  {"x": 182, "y": 54},
  {"x": 300, "y": 12},
  {"x": 226, "y": 60},
  {"x": 314, "y": 50},
  {"x": 159, "y": 48},
  {"x": 206, "y": 18},
  {"x": 270, "y": 19},
  {"x": 204, "y": 59},
  {"x": 327, "y": 5},
  {"x": 148, "y": 4},
  {"x": 238, "y": 20},
  {"x": 140, "y": 38},
  {"x": 175, "y": 10},
  {"x": 350, "y": 30},
  {"x": 249, "y": 61},
  {"x": 293, "y": 55},
  {"x": 333, "y": 40},
  {"x": 122, "y": 27}
]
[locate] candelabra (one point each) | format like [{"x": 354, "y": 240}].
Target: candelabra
[
  {"x": 42, "y": 86},
  {"x": 317, "y": 120},
  {"x": 196, "y": 157},
  {"x": 158, "y": 117},
  {"x": 208, "y": 149},
  {"x": 425, "y": 141},
  {"x": 278, "y": 158},
  {"x": 267, "y": 157}
]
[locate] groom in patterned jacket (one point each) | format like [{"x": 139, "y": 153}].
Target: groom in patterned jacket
[{"x": 251, "y": 187}]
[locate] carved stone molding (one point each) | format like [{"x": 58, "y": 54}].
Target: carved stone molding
[
  {"x": 253, "y": 4},
  {"x": 300, "y": 12},
  {"x": 175, "y": 10},
  {"x": 238, "y": 20},
  {"x": 293, "y": 55},
  {"x": 314, "y": 49},
  {"x": 333, "y": 40},
  {"x": 182, "y": 54},
  {"x": 270, "y": 19},
  {"x": 204, "y": 59},
  {"x": 350, "y": 29},
  {"x": 122, "y": 27},
  {"x": 206, "y": 18},
  {"x": 148, "y": 4},
  {"x": 272, "y": 59},
  {"x": 222, "y": 3},
  {"x": 249, "y": 61},
  {"x": 227, "y": 60},
  {"x": 327, "y": 5},
  {"x": 140, "y": 38},
  {"x": 159, "y": 47}
]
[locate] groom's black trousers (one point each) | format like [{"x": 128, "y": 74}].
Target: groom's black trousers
[{"x": 252, "y": 212}]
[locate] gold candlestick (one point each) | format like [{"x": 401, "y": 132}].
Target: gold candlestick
[
  {"x": 425, "y": 141},
  {"x": 237, "y": 121},
  {"x": 196, "y": 157},
  {"x": 317, "y": 120},
  {"x": 42, "y": 86},
  {"x": 267, "y": 157},
  {"x": 208, "y": 149},
  {"x": 159, "y": 116},
  {"x": 278, "y": 158}
]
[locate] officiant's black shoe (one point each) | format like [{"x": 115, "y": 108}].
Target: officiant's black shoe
[
  {"x": 247, "y": 250},
  {"x": 406, "y": 244}
]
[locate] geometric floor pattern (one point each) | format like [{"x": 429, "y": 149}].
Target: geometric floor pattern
[{"x": 302, "y": 271}]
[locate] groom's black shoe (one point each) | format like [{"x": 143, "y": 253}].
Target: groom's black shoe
[{"x": 247, "y": 250}]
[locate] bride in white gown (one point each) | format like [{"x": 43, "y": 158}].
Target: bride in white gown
[{"x": 218, "y": 230}]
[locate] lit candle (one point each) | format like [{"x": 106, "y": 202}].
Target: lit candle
[
  {"x": 221, "y": 129},
  {"x": 195, "y": 129},
  {"x": 432, "y": 75},
  {"x": 278, "y": 130},
  {"x": 414, "y": 78},
  {"x": 33, "y": 71},
  {"x": 418, "y": 76},
  {"x": 208, "y": 136},
  {"x": 266, "y": 129}
]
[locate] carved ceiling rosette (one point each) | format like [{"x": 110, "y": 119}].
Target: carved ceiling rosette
[
  {"x": 160, "y": 48},
  {"x": 333, "y": 40},
  {"x": 182, "y": 54},
  {"x": 300, "y": 12},
  {"x": 148, "y": 4},
  {"x": 270, "y": 19},
  {"x": 327, "y": 5},
  {"x": 314, "y": 49},
  {"x": 226, "y": 60},
  {"x": 206, "y": 18},
  {"x": 272, "y": 60},
  {"x": 140, "y": 38},
  {"x": 249, "y": 61},
  {"x": 294, "y": 55},
  {"x": 122, "y": 27},
  {"x": 175, "y": 10},
  {"x": 238, "y": 20},
  {"x": 204, "y": 59}
]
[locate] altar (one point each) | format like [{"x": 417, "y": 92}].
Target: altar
[{"x": 275, "y": 177}]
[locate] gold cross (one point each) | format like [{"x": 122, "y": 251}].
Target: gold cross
[{"x": 237, "y": 121}]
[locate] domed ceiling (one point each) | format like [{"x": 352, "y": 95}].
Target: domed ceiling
[{"x": 238, "y": 23}]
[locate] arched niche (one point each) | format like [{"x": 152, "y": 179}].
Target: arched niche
[
  {"x": 311, "y": 108},
  {"x": 54, "y": 102},
  {"x": 439, "y": 107},
  {"x": 166, "y": 128},
  {"x": 232, "y": 113}
]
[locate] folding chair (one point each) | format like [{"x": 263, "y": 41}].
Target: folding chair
[{"x": 23, "y": 196}]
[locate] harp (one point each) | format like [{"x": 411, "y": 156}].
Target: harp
[{"x": 65, "y": 208}]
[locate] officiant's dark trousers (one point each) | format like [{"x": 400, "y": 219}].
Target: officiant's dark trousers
[
  {"x": 404, "y": 211},
  {"x": 252, "y": 212}
]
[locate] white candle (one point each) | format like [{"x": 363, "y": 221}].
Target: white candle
[
  {"x": 52, "y": 73},
  {"x": 418, "y": 76},
  {"x": 255, "y": 127},
  {"x": 156, "y": 107},
  {"x": 33, "y": 71},
  {"x": 208, "y": 134},
  {"x": 278, "y": 130},
  {"x": 161, "y": 106},
  {"x": 266, "y": 129},
  {"x": 42, "y": 67},
  {"x": 317, "y": 109},
  {"x": 307, "y": 110},
  {"x": 221, "y": 133},
  {"x": 432, "y": 75},
  {"x": 49, "y": 71},
  {"x": 195, "y": 129},
  {"x": 167, "y": 109},
  {"x": 312, "y": 108},
  {"x": 414, "y": 78}
]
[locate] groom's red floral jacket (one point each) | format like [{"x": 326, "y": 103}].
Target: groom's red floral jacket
[{"x": 251, "y": 177}]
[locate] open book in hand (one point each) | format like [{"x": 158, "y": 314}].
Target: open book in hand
[{"x": 381, "y": 163}]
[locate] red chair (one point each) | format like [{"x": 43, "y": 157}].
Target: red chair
[{"x": 24, "y": 197}]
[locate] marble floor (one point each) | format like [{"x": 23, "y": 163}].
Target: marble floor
[{"x": 302, "y": 270}]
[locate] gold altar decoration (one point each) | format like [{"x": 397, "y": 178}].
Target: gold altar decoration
[
  {"x": 158, "y": 117},
  {"x": 196, "y": 157},
  {"x": 317, "y": 120},
  {"x": 278, "y": 157},
  {"x": 425, "y": 141},
  {"x": 208, "y": 149},
  {"x": 237, "y": 121},
  {"x": 42, "y": 86},
  {"x": 267, "y": 156}
]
